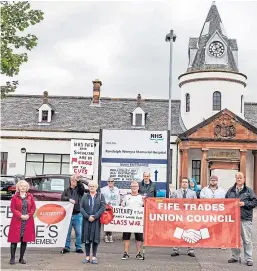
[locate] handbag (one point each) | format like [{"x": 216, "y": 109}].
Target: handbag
[{"x": 107, "y": 216}]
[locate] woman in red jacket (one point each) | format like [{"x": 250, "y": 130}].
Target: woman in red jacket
[{"x": 22, "y": 227}]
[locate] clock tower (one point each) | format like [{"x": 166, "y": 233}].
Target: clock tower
[{"x": 212, "y": 80}]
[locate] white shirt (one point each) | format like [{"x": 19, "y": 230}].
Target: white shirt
[
  {"x": 111, "y": 196},
  {"x": 133, "y": 201},
  {"x": 208, "y": 193}
]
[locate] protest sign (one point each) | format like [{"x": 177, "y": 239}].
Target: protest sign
[
  {"x": 82, "y": 157},
  {"x": 212, "y": 223},
  {"x": 52, "y": 220},
  {"x": 126, "y": 220}
]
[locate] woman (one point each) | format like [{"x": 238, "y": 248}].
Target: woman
[
  {"x": 92, "y": 206},
  {"x": 112, "y": 196},
  {"x": 22, "y": 227},
  {"x": 194, "y": 186}
]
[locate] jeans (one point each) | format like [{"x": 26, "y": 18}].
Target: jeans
[
  {"x": 189, "y": 250},
  {"x": 76, "y": 223},
  {"x": 246, "y": 234}
]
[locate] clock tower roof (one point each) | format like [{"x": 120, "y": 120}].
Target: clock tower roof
[{"x": 204, "y": 51}]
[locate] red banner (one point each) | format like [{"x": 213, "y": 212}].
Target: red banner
[{"x": 212, "y": 223}]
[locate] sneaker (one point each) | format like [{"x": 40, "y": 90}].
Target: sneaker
[
  {"x": 249, "y": 263},
  {"x": 125, "y": 256},
  {"x": 139, "y": 256},
  {"x": 65, "y": 250},
  {"x": 110, "y": 239},
  {"x": 174, "y": 254},
  {"x": 106, "y": 239},
  {"x": 191, "y": 254},
  {"x": 80, "y": 251},
  {"x": 232, "y": 260}
]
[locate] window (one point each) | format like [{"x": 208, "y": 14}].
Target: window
[
  {"x": 4, "y": 156},
  {"x": 49, "y": 184},
  {"x": 187, "y": 102},
  {"x": 216, "y": 101},
  {"x": 196, "y": 170},
  {"x": 44, "y": 115},
  {"x": 242, "y": 104},
  {"x": 138, "y": 119},
  {"x": 44, "y": 163}
]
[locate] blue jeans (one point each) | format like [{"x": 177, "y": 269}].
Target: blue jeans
[{"x": 76, "y": 223}]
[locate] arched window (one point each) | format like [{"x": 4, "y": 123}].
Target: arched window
[
  {"x": 187, "y": 102},
  {"x": 242, "y": 104},
  {"x": 216, "y": 101}
]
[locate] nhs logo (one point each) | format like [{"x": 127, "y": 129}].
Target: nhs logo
[{"x": 156, "y": 137}]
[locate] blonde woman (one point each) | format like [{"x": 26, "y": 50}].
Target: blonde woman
[
  {"x": 92, "y": 205},
  {"x": 22, "y": 227}
]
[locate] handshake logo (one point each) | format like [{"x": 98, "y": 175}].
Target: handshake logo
[{"x": 191, "y": 236}]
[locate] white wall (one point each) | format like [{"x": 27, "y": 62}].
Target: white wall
[{"x": 201, "y": 94}]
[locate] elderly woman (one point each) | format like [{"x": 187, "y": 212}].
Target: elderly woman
[
  {"x": 112, "y": 196},
  {"x": 22, "y": 227},
  {"x": 92, "y": 206}
]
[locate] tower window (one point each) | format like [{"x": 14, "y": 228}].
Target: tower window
[
  {"x": 44, "y": 115},
  {"x": 216, "y": 101},
  {"x": 242, "y": 104},
  {"x": 187, "y": 102}
]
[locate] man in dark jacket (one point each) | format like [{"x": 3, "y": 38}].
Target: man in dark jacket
[
  {"x": 147, "y": 188},
  {"x": 74, "y": 194},
  {"x": 248, "y": 201}
]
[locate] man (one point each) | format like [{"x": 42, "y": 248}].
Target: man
[
  {"x": 147, "y": 188},
  {"x": 133, "y": 200},
  {"x": 213, "y": 191},
  {"x": 184, "y": 193},
  {"x": 248, "y": 201},
  {"x": 74, "y": 194},
  {"x": 112, "y": 196}
]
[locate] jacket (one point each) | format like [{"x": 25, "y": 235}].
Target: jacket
[
  {"x": 148, "y": 189},
  {"x": 15, "y": 225},
  {"x": 246, "y": 195},
  {"x": 76, "y": 194},
  {"x": 111, "y": 196},
  {"x": 207, "y": 193},
  {"x": 179, "y": 194}
]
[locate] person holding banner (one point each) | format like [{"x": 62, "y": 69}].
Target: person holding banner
[
  {"x": 248, "y": 201},
  {"x": 92, "y": 206},
  {"x": 112, "y": 197},
  {"x": 74, "y": 194},
  {"x": 184, "y": 193},
  {"x": 133, "y": 200},
  {"x": 147, "y": 188},
  {"x": 213, "y": 191},
  {"x": 22, "y": 227}
]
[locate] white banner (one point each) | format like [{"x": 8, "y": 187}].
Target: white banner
[
  {"x": 126, "y": 220},
  {"x": 52, "y": 220},
  {"x": 127, "y": 154},
  {"x": 82, "y": 157}
]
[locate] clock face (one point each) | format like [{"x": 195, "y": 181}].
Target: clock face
[{"x": 216, "y": 49}]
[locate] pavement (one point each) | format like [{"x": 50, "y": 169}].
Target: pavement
[{"x": 109, "y": 257}]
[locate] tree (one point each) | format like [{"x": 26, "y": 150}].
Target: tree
[{"x": 15, "y": 18}]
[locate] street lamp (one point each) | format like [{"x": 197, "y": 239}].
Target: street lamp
[{"x": 171, "y": 37}]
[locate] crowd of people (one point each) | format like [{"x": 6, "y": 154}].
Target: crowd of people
[{"x": 90, "y": 204}]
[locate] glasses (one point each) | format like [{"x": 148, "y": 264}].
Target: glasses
[{"x": 110, "y": 181}]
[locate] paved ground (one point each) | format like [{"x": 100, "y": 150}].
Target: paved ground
[{"x": 109, "y": 259}]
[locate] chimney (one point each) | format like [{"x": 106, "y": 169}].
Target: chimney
[
  {"x": 96, "y": 91},
  {"x": 138, "y": 100},
  {"x": 45, "y": 99}
]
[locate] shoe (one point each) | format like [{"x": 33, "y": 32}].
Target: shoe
[
  {"x": 86, "y": 261},
  {"x": 174, "y": 254},
  {"x": 79, "y": 251},
  {"x": 232, "y": 260},
  {"x": 94, "y": 261},
  {"x": 110, "y": 239},
  {"x": 139, "y": 256},
  {"x": 249, "y": 263},
  {"x": 12, "y": 261},
  {"x": 106, "y": 239},
  {"x": 191, "y": 254},
  {"x": 22, "y": 261},
  {"x": 65, "y": 250},
  {"x": 125, "y": 256}
]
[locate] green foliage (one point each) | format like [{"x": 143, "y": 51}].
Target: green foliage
[{"x": 15, "y": 18}]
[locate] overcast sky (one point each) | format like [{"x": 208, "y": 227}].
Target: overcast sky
[{"x": 123, "y": 44}]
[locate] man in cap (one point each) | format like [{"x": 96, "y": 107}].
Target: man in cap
[{"x": 212, "y": 191}]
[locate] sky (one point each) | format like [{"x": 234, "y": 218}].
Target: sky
[{"x": 123, "y": 44}]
